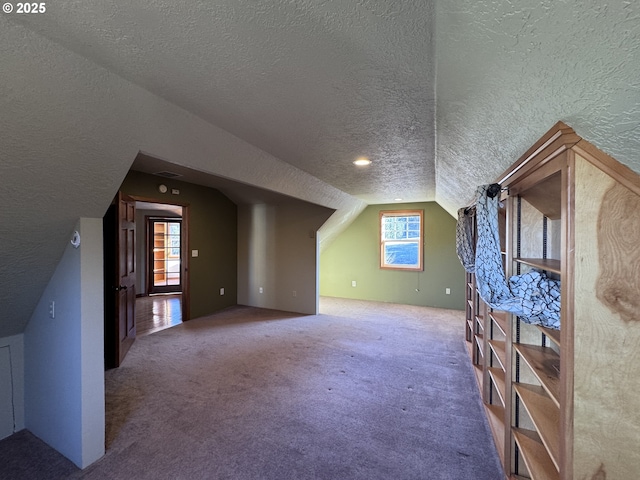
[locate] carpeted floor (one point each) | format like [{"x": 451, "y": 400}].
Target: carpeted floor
[{"x": 363, "y": 391}]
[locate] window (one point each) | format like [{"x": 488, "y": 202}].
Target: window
[{"x": 401, "y": 239}]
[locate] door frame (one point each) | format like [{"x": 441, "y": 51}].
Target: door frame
[{"x": 185, "y": 260}]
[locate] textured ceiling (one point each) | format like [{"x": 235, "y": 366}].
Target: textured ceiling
[
  {"x": 239, "y": 193},
  {"x": 509, "y": 70},
  {"x": 283, "y": 95},
  {"x": 314, "y": 83}
]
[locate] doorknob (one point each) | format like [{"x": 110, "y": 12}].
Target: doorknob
[{"x": 121, "y": 287}]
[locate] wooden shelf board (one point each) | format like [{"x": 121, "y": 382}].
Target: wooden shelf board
[
  {"x": 548, "y": 264},
  {"x": 553, "y": 335},
  {"x": 498, "y": 348},
  {"x": 546, "y": 196},
  {"x": 500, "y": 319},
  {"x": 480, "y": 321},
  {"x": 470, "y": 348},
  {"x": 497, "y": 376},
  {"x": 478, "y": 337},
  {"x": 544, "y": 414},
  {"x": 477, "y": 369},
  {"x": 543, "y": 362},
  {"x": 535, "y": 455},
  {"x": 495, "y": 415}
]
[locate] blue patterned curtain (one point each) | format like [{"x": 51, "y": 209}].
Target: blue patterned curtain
[{"x": 533, "y": 296}]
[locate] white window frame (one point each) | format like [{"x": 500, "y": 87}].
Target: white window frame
[{"x": 384, "y": 241}]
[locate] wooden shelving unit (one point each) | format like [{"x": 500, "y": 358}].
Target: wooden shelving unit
[
  {"x": 498, "y": 379},
  {"x": 500, "y": 320},
  {"x": 545, "y": 416},
  {"x": 547, "y": 264},
  {"x": 487, "y": 336},
  {"x": 544, "y": 391},
  {"x": 536, "y": 242},
  {"x": 535, "y": 455},
  {"x": 545, "y": 365}
]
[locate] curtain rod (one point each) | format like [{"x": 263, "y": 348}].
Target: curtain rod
[{"x": 493, "y": 190}]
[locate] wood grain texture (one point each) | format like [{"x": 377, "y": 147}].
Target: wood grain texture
[
  {"x": 545, "y": 196},
  {"x": 545, "y": 365},
  {"x": 535, "y": 455},
  {"x": 618, "y": 285},
  {"x": 544, "y": 415},
  {"x": 567, "y": 320},
  {"x": 531, "y": 239},
  {"x": 606, "y": 347}
]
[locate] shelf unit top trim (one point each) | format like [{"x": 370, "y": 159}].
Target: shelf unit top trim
[
  {"x": 558, "y": 139},
  {"x": 561, "y": 138}
]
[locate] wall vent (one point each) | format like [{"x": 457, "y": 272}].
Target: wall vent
[{"x": 167, "y": 174}]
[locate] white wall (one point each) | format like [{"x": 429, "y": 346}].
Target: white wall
[
  {"x": 278, "y": 251},
  {"x": 92, "y": 341},
  {"x": 64, "y": 356},
  {"x": 11, "y": 385}
]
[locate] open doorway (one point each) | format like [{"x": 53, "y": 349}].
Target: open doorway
[
  {"x": 161, "y": 267},
  {"x": 164, "y": 251}
]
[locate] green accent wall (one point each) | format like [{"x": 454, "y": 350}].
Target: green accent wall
[
  {"x": 213, "y": 231},
  {"x": 355, "y": 255}
]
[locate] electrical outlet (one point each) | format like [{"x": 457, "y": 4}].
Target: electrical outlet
[
  {"x": 52, "y": 309},
  {"x": 353, "y": 283},
  {"x": 260, "y": 290},
  {"x": 295, "y": 294},
  {"x": 222, "y": 291},
  {"x": 447, "y": 291}
]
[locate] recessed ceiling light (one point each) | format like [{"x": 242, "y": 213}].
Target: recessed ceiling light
[{"x": 362, "y": 162}]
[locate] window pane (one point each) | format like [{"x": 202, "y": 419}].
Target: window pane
[
  {"x": 401, "y": 240},
  {"x": 401, "y": 253}
]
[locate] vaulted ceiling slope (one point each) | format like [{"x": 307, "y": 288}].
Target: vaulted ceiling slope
[
  {"x": 509, "y": 70},
  {"x": 314, "y": 83},
  {"x": 441, "y": 96}
]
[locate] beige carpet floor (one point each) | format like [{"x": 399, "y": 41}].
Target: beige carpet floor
[{"x": 365, "y": 390}]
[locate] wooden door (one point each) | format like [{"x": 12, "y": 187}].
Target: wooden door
[{"x": 120, "y": 279}]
